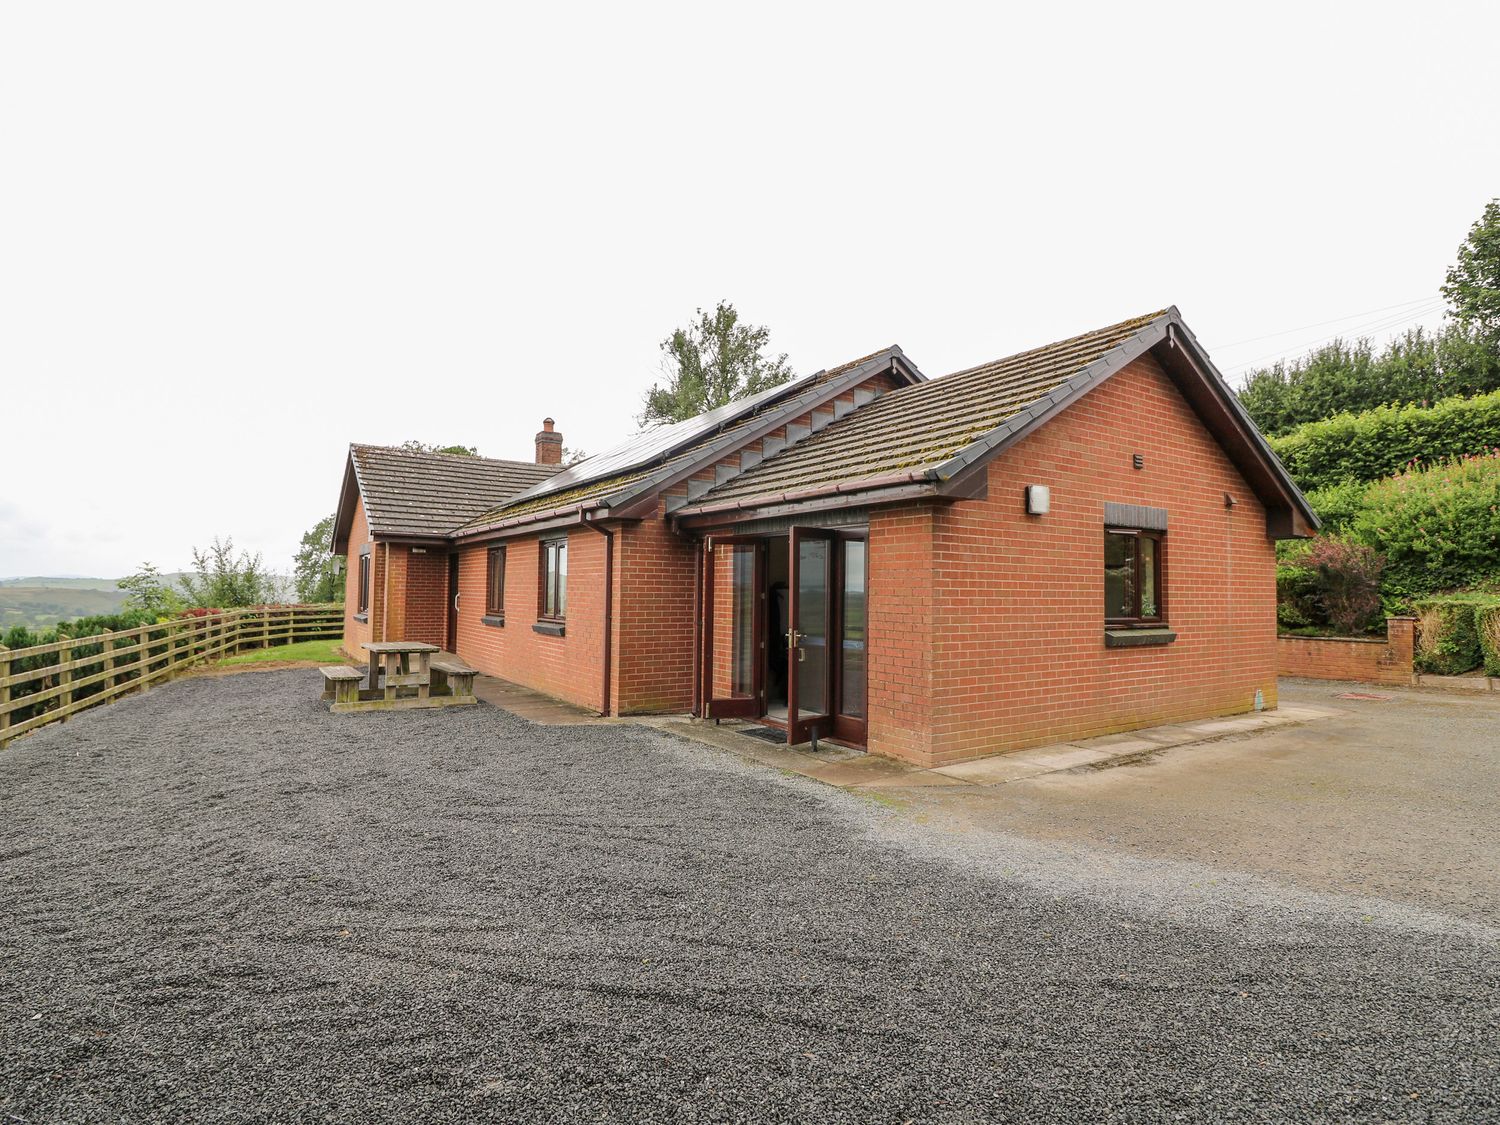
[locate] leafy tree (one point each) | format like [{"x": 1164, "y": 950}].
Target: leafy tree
[
  {"x": 456, "y": 450},
  {"x": 713, "y": 361},
  {"x": 1473, "y": 284},
  {"x": 146, "y": 592},
  {"x": 224, "y": 579},
  {"x": 571, "y": 456},
  {"x": 315, "y": 570}
]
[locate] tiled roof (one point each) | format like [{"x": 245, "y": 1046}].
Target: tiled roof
[
  {"x": 923, "y": 425},
  {"x": 546, "y": 499},
  {"x": 411, "y": 493}
]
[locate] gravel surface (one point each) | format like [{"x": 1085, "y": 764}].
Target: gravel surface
[{"x": 223, "y": 903}]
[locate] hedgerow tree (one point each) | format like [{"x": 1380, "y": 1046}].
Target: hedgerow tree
[
  {"x": 456, "y": 450},
  {"x": 1473, "y": 284},
  {"x": 222, "y": 579},
  {"x": 146, "y": 592},
  {"x": 711, "y": 362},
  {"x": 314, "y": 569}
]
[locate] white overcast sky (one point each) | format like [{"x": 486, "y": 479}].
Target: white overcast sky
[{"x": 234, "y": 238}]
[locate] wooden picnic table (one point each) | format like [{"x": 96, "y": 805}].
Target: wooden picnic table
[{"x": 396, "y": 655}]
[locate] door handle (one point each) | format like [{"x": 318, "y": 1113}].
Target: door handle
[{"x": 455, "y": 603}]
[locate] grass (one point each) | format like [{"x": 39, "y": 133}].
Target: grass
[{"x": 323, "y": 652}]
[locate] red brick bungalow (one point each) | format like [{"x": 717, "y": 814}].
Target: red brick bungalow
[{"x": 1075, "y": 540}]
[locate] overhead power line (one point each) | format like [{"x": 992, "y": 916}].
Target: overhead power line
[
  {"x": 1370, "y": 328},
  {"x": 1322, "y": 323}
]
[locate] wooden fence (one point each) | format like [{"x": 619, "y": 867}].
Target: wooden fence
[{"x": 47, "y": 683}]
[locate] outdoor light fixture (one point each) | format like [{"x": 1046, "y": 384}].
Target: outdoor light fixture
[
  {"x": 1228, "y": 500},
  {"x": 1038, "y": 499}
]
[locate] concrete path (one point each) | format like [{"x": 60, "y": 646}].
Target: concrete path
[
  {"x": 533, "y": 705},
  {"x": 851, "y": 769}
]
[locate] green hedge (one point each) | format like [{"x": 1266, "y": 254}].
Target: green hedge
[
  {"x": 1487, "y": 622},
  {"x": 1449, "y": 633},
  {"x": 1439, "y": 528},
  {"x": 1384, "y": 441},
  {"x": 1339, "y": 377}
]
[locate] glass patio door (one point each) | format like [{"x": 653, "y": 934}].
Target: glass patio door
[
  {"x": 735, "y": 627},
  {"x": 808, "y": 651}
]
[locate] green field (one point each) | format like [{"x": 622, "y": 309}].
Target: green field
[{"x": 324, "y": 652}]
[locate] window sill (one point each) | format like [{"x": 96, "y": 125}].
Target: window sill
[
  {"x": 495, "y": 619},
  {"x": 362, "y": 618},
  {"x": 549, "y": 628},
  {"x": 1137, "y": 638}
]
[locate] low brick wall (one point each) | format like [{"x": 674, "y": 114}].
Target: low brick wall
[{"x": 1367, "y": 659}]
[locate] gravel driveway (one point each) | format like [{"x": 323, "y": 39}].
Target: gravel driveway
[{"x": 223, "y": 903}]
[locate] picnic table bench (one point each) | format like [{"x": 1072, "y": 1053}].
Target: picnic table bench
[{"x": 402, "y": 674}]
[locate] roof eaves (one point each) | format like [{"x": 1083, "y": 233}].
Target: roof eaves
[{"x": 1232, "y": 401}]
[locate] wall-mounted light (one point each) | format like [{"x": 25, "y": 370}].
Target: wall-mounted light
[
  {"x": 1038, "y": 499},
  {"x": 1228, "y": 500}
]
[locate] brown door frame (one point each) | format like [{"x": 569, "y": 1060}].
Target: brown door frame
[
  {"x": 799, "y": 729},
  {"x": 452, "y": 634},
  {"x": 847, "y": 728},
  {"x": 735, "y": 707}
]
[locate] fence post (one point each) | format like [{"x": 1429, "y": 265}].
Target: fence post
[
  {"x": 4, "y": 693},
  {"x": 107, "y": 639},
  {"x": 65, "y": 678}
]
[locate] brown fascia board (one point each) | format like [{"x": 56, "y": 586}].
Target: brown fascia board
[
  {"x": 639, "y": 499},
  {"x": 889, "y": 488},
  {"x": 343, "y": 515},
  {"x": 1252, "y": 452},
  {"x": 531, "y": 524}
]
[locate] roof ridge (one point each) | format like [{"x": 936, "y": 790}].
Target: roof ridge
[
  {"x": 1138, "y": 322},
  {"x": 468, "y": 458}
]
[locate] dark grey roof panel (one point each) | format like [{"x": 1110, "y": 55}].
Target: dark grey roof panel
[{"x": 430, "y": 494}]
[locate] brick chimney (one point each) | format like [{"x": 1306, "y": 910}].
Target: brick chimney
[{"x": 548, "y": 445}]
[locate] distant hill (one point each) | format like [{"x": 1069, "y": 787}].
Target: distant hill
[
  {"x": 42, "y": 600},
  {"x": 66, "y": 582},
  {"x": 39, "y": 606}
]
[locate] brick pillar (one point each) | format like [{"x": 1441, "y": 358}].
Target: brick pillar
[{"x": 1401, "y": 644}]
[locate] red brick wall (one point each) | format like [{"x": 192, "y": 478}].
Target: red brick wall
[
  {"x": 1015, "y": 602},
  {"x": 654, "y": 626},
  {"x": 426, "y": 595},
  {"x": 1340, "y": 658},
  {"x": 569, "y": 667},
  {"x": 357, "y": 633},
  {"x": 900, "y": 633}
]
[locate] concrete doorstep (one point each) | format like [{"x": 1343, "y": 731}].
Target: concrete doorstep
[{"x": 853, "y": 769}]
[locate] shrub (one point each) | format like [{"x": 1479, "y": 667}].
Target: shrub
[
  {"x": 1347, "y": 578},
  {"x": 1439, "y": 528},
  {"x": 1296, "y": 596},
  {"x": 1381, "y": 442},
  {"x": 1487, "y": 625},
  {"x": 1448, "y": 634},
  {"x": 1328, "y": 584}
]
